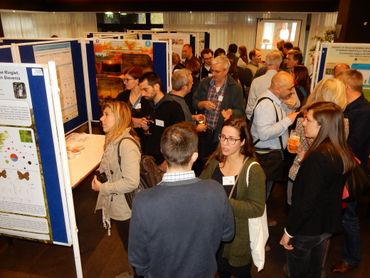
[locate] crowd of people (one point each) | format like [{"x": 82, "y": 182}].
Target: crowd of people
[{"x": 225, "y": 112}]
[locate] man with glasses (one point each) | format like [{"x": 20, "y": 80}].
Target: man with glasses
[
  {"x": 271, "y": 118},
  {"x": 207, "y": 57},
  {"x": 218, "y": 97}
]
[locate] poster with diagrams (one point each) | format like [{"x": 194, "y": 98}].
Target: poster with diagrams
[
  {"x": 61, "y": 54},
  {"x": 23, "y": 205},
  {"x": 356, "y": 55}
]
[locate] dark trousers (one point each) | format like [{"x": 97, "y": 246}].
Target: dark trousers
[
  {"x": 351, "y": 227},
  {"x": 225, "y": 270},
  {"x": 208, "y": 142},
  {"x": 305, "y": 260},
  {"x": 123, "y": 228}
]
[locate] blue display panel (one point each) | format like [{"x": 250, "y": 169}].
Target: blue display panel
[
  {"x": 6, "y": 55},
  {"x": 27, "y": 55},
  {"x": 48, "y": 159}
]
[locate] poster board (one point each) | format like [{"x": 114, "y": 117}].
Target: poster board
[
  {"x": 178, "y": 40},
  {"x": 32, "y": 199},
  {"x": 68, "y": 56},
  {"x": 6, "y": 54},
  {"x": 113, "y": 35},
  {"x": 108, "y": 58},
  {"x": 356, "y": 55}
]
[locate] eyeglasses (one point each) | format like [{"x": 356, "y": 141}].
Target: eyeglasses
[
  {"x": 230, "y": 140},
  {"x": 127, "y": 79}
]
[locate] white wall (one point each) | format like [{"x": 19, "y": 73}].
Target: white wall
[
  {"x": 228, "y": 27},
  {"x": 43, "y": 25}
]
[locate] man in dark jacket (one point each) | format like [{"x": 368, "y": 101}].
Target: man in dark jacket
[{"x": 218, "y": 97}]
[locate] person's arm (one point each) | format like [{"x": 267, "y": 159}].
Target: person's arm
[
  {"x": 253, "y": 206},
  {"x": 238, "y": 103},
  {"x": 208, "y": 171},
  {"x": 252, "y": 98},
  {"x": 130, "y": 170},
  {"x": 265, "y": 121},
  {"x": 306, "y": 192},
  {"x": 138, "y": 255},
  {"x": 200, "y": 94}
]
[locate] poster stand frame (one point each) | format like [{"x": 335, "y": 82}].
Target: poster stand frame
[{"x": 65, "y": 170}]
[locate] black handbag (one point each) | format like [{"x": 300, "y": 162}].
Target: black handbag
[
  {"x": 358, "y": 182},
  {"x": 272, "y": 162},
  {"x": 150, "y": 173}
]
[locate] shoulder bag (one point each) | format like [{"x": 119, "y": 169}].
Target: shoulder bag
[{"x": 258, "y": 230}]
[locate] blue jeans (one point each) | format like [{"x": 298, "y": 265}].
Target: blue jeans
[
  {"x": 305, "y": 260},
  {"x": 351, "y": 227}
]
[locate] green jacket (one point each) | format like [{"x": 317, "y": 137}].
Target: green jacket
[{"x": 249, "y": 203}]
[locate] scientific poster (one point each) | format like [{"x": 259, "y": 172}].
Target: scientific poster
[
  {"x": 178, "y": 40},
  {"x": 23, "y": 205},
  {"x": 113, "y": 57},
  {"x": 60, "y": 53},
  {"x": 356, "y": 55}
]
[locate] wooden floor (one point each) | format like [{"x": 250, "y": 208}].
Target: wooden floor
[{"x": 104, "y": 257}]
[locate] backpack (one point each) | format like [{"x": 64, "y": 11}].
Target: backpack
[{"x": 150, "y": 173}]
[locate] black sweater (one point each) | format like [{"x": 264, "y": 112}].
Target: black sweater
[{"x": 317, "y": 194}]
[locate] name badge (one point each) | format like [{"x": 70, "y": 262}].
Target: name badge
[
  {"x": 228, "y": 180},
  {"x": 159, "y": 123},
  {"x": 138, "y": 106},
  {"x": 220, "y": 98}
]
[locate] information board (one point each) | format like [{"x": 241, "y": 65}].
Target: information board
[{"x": 32, "y": 196}]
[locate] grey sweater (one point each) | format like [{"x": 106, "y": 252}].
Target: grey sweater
[{"x": 177, "y": 227}]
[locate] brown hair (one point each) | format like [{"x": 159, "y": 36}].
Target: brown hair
[
  {"x": 302, "y": 77},
  {"x": 178, "y": 143},
  {"x": 135, "y": 72},
  {"x": 297, "y": 55},
  {"x": 331, "y": 138},
  {"x": 247, "y": 149},
  {"x": 151, "y": 77}
]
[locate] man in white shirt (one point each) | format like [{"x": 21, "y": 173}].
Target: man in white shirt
[
  {"x": 272, "y": 117},
  {"x": 262, "y": 83}
]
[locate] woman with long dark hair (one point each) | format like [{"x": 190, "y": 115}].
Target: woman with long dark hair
[
  {"x": 316, "y": 201},
  {"x": 302, "y": 82},
  {"x": 228, "y": 165}
]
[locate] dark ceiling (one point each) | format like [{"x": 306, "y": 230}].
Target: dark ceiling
[{"x": 173, "y": 5}]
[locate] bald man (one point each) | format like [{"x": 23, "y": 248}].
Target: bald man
[
  {"x": 339, "y": 68},
  {"x": 272, "y": 116}
]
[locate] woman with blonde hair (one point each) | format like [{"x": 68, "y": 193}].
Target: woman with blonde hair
[
  {"x": 119, "y": 170},
  {"x": 329, "y": 89}
]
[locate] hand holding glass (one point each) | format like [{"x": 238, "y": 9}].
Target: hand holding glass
[{"x": 293, "y": 142}]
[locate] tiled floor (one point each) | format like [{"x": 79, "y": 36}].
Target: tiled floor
[{"x": 103, "y": 256}]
